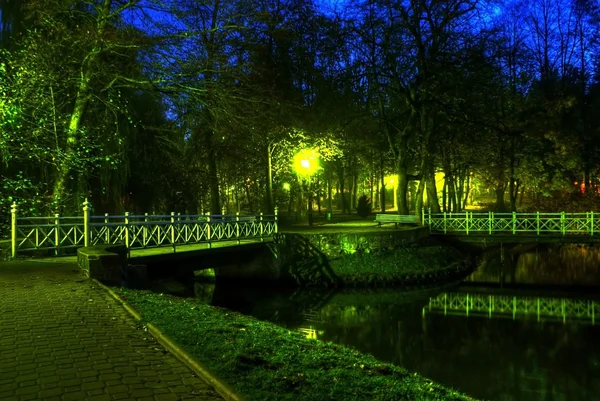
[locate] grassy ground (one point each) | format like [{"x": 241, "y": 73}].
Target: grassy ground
[
  {"x": 394, "y": 266},
  {"x": 263, "y": 361}
]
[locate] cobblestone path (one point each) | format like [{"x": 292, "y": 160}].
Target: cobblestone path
[{"x": 63, "y": 338}]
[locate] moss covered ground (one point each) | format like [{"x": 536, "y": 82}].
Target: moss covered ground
[
  {"x": 262, "y": 361},
  {"x": 396, "y": 265}
]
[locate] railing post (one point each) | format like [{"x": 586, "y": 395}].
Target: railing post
[
  {"x": 422, "y": 216},
  {"x": 87, "y": 207},
  {"x": 13, "y": 229},
  {"x": 261, "y": 227},
  {"x": 429, "y": 216},
  {"x": 127, "y": 231},
  {"x": 237, "y": 226},
  {"x": 537, "y": 222},
  {"x": 181, "y": 229},
  {"x": 563, "y": 228},
  {"x": 107, "y": 229},
  {"x": 467, "y": 222},
  {"x": 514, "y": 222},
  {"x": 145, "y": 230},
  {"x": 208, "y": 233},
  {"x": 173, "y": 231},
  {"x": 490, "y": 222},
  {"x": 445, "y": 227},
  {"x": 275, "y": 220},
  {"x": 591, "y": 223},
  {"x": 57, "y": 233}
]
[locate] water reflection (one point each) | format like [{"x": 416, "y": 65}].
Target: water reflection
[
  {"x": 568, "y": 264},
  {"x": 525, "y": 357},
  {"x": 499, "y": 345},
  {"x": 515, "y": 306}
]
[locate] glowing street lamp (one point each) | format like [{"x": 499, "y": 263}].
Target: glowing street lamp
[{"x": 306, "y": 164}]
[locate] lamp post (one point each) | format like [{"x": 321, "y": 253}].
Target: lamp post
[{"x": 306, "y": 163}]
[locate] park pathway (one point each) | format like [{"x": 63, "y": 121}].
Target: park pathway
[{"x": 64, "y": 338}]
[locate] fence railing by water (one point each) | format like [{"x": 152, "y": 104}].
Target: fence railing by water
[
  {"x": 585, "y": 223},
  {"x": 542, "y": 308},
  {"x": 59, "y": 233}
]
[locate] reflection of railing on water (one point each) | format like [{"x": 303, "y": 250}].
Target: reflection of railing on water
[
  {"x": 544, "y": 308},
  {"x": 513, "y": 223}
]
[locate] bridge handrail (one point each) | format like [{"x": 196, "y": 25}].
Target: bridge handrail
[
  {"x": 135, "y": 231},
  {"x": 538, "y": 223}
]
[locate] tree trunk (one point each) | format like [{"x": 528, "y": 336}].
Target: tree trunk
[
  {"x": 341, "y": 178},
  {"x": 420, "y": 188},
  {"x": 432, "y": 197},
  {"x": 460, "y": 190},
  {"x": 500, "y": 204},
  {"x": 451, "y": 194},
  {"x": 80, "y": 105},
  {"x": 521, "y": 196},
  {"x": 248, "y": 199},
  {"x": 318, "y": 195},
  {"x": 269, "y": 186},
  {"x": 372, "y": 187},
  {"x": 329, "y": 200},
  {"x": 402, "y": 170},
  {"x": 382, "y": 188},
  {"x": 444, "y": 190},
  {"x": 354, "y": 191},
  {"x": 291, "y": 200},
  {"x": 213, "y": 179},
  {"x": 467, "y": 190}
]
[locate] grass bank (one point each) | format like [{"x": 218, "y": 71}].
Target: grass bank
[
  {"x": 427, "y": 262},
  {"x": 263, "y": 361}
]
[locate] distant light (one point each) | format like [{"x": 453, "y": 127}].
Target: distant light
[
  {"x": 286, "y": 186},
  {"x": 305, "y": 163}
]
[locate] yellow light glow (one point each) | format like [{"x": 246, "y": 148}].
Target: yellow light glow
[
  {"x": 286, "y": 186},
  {"x": 306, "y": 162},
  {"x": 391, "y": 180}
]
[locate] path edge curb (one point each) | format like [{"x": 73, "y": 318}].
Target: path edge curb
[{"x": 196, "y": 366}]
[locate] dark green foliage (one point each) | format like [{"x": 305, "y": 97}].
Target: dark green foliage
[
  {"x": 364, "y": 207},
  {"x": 265, "y": 362},
  {"x": 396, "y": 265}
]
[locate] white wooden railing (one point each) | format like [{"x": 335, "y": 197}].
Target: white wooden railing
[
  {"x": 585, "y": 223},
  {"x": 134, "y": 231}
]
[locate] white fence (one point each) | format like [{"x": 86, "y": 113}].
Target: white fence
[
  {"x": 134, "y": 231},
  {"x": 586, "y": 223}
]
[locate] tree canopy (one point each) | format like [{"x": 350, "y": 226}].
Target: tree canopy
[{"x": 196, "y": 106}]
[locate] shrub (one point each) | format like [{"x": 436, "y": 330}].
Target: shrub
[{"x": 364, "y": 206}]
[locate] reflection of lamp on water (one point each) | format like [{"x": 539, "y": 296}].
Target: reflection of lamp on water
[{"x": 310, "y": 332}]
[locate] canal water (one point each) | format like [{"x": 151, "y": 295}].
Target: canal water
[{"x": 525, "y": 326}]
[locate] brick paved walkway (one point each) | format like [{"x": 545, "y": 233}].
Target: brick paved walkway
[{"x": 62, "y": 338}]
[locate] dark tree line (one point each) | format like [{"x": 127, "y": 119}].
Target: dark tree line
[{"x": 196, "y": 105}]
